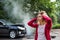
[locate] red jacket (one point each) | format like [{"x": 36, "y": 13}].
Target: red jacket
[{"x": 47, "y": 26}]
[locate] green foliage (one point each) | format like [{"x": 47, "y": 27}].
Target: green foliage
[
  {"x": 42, "y": 5},
  {"x": 58, "y": 10},
  {"x": 50, "y": 7},
  {"x": 56, "y": 26},
  {"x": 54, "y": 18},
  {"x": 3, "y": 13},
  {"x": 46, "y": 5}
]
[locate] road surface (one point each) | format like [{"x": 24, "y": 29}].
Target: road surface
[{"x": 54, "y": 32}]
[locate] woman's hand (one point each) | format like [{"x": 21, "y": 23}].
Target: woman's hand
[{"x": 44, "y": 14}]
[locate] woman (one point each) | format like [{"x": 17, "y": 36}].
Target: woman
[{"x": 43, "y": 26}]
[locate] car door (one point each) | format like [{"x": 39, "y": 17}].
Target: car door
[{"x": 3, "y": 30}]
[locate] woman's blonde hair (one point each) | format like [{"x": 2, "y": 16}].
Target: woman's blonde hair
[{"x": 42, "y": 12}]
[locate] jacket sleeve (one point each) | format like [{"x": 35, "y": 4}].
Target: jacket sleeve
[
  {"x": 48, "y": 28},
  {"x": 48, "y": 20},
  {"x": 32, "y": 24}
]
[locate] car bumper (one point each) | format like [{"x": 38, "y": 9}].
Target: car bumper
[{"x": 21, "y": 33}]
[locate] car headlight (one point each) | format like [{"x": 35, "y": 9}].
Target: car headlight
[{"x": 21, "y": 28}]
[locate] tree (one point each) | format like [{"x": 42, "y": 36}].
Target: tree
[
  {"x": 46, "y": 5},
  {"x": 58, "y": 10},
  {"x": 3, "y": 13}
]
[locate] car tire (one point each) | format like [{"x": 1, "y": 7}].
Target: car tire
[{"x": 12, "y": 34}]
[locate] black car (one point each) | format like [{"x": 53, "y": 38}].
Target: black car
[{"x": 12, "y": 30}]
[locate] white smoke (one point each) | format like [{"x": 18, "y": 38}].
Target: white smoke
[
  {"x": 30, "y": 30},
  {"x": 15, "y": 10}
]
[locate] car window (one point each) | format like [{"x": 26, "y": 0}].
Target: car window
[{"x": 1, "y": 23}]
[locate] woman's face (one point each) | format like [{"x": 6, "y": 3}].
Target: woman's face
[{"x": 39, "y": 17}]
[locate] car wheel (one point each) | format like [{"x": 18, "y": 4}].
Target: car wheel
[{"x": 12, "y": 34}]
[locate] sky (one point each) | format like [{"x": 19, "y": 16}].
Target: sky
[{"x": 52, "y": 0}]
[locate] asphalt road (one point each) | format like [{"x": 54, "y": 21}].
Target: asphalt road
[
  {"x": 7, "y": 38},
  {"x": 55, "y": 32}
]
